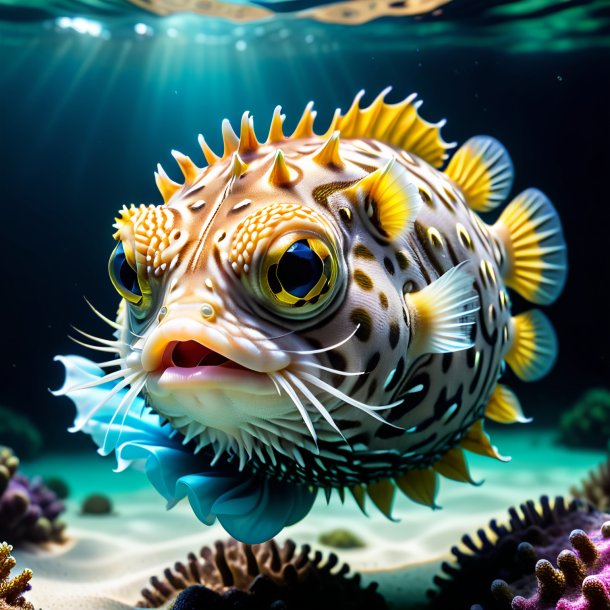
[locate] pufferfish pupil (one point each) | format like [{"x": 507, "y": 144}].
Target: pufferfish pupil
[
  {"x": 331, "y": 311},
  {"x": 299, "y": 269}
]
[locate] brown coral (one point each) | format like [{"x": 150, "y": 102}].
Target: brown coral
[
  {"x": 261, "y": 576},
  {"x": 12, "y": 589},
  {"x": 596, "y": 487}
]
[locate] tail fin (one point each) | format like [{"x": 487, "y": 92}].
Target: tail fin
[{"x": 536, "y": 264}]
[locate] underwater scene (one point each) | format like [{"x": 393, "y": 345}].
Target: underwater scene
[{"x": 305, "y": 305}]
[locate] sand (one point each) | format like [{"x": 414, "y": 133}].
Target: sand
[{"x": 108, "y": 559}]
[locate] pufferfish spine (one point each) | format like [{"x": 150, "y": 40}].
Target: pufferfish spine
[{"x": 330, "y": 311}]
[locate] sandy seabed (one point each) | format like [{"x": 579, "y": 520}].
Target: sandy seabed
[{"x": 109, "y": 559}]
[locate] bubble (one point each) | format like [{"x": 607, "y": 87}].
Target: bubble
[{"x": 241, "y": 45}]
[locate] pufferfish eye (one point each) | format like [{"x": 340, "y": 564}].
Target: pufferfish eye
[
  {"x": 124, "y": 277},
  {"x": 298, "y": 274}
]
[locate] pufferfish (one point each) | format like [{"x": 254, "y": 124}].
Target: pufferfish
[{"x": 329, "y": 311}]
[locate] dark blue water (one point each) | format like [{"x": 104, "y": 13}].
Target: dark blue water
[{"x": 85, "y": 118}]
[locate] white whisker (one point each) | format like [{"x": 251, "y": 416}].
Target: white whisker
[
  {"x": 100, "y": 315},
  {"x": 324, "y": 349},
  {"x": 117, "y": 362},
  {"x": 98, "y": 348},
  {"x": 329, "y": 370},
  {"x": 117, "y": 388},
  {"x": 126, "y": 402},
  {"x": 317, "y": 404},
  {"x": 102, "y": 380},
  {"x": 109, "y": 342},
  {"x": 369, "y": 409},
  {"x": 291, "y": 332},
  {"x": 299, "y": 405}
]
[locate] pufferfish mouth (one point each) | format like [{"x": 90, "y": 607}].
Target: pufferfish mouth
[{"x": 190, "y": 364}]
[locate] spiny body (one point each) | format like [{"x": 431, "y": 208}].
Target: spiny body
[{"x": 331, "y": 309}]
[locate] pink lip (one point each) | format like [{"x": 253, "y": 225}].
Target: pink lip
[{"x": 227, "y": 378}]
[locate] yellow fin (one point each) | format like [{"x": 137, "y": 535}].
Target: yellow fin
[
  {"x": 382, "y": 494},
  {"x": 304, "y": 129},
  {"x": 167, "y": 187},
  {"x": 388, "y": 199},
  {"x": 483, "y": 171},
  {"x": 453, "y": 466},
  {"x": 504, "y": 407},
  {"x": 229, "y": 138},
  {"x": 477, "y": 441},
  {"x": 443, "y": 313},
  {"x": 421, "y": 486},
  {"x": 396, "y": 124},
  {"x": 533, "y": 350},
  {"x": 238, "y": 167},
  {"x": 536, "y": 261},
  {"x": 247, "y": 138},
  {"x": 359, "y": 493},
  {"x": 281, "y": 174}
]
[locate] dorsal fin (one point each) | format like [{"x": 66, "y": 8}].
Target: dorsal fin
[
  {"x": 483, "y": 170},
  {"x": 396, "y": 124}
]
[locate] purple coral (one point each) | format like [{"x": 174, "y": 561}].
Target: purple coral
[
  {"x": 502, "y": 561},
  {"x": 28, "y": 509},
  {"x": 581, "y": 580}
]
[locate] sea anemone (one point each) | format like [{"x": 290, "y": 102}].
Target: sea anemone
[
  {"x": 12, "y": 589},
  {"x": 596, "y": 487},
  {"x": 28, "y": 509},
  {"x": 502, "y": 562},
  {"x": 261, "y": 577}
]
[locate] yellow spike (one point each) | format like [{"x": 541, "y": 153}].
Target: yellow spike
[
  {"x": 189, "y": 170},
  {"x": 453, "y": 466},
  {"x": 477, "y": 441},
  {"x": 166, "y": 186},
  {"x": 504, "y": 407},
  {"x": 382, "y": 494},
  {"x": 305, "y": 127},
  {"x": 247, "y": 137},
  {"x": 275, "y": 130},
  {"x": 421, "y": 486},
  {"x": 229, "y": 138},
  {"x": 238, "y": 167},
  {"x": 359, "y": 493},
  {"x": 329, "y": 153},
  {"x": 210, "y": 156},
  {"x": 280, "y": 172},
  {"x": 349, "y": 121},
  {"x": 333, "y": 125},
  {"x": 389, "y": 199}
]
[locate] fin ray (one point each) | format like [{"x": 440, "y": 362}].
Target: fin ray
[
  {"x": 483, "y": 170},
  {"x": 533, "y": 350},
  {"x": 420, "y": 486},
  {"x": 504, "y": 407},
  {"x": 444, "y": 312},
  {"x": 536, "y": 264}
]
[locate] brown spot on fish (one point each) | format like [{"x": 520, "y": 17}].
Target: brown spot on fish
[
  {"x": 394, "y": 333},
  {"x": 363, "y": 319},
  {"x": 383, "y": 300},
  {"x": 363, "y": 280},
  {"x": 402, "y": 260},
  {"x": 361, "y": 251}
]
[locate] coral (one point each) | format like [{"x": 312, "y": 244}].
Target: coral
[
  {"x": 587, "y": 423},
  {"x": 581, "y": 580},
  {"x": 596, "y": 488},
  {"x": 58, "y": 486},
  {"x": 96, "y": 504},
  {"x": 260, "y": 577},
  {"x": 341, "y": 539},
  {"x": 503, "y": 561},
  {"x": 12, "y": 589},
  {"x": 17, "y": 430},
  {"x": 28, "y": 509}
]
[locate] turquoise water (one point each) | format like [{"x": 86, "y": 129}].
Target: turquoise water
[{"x": 94, "y": 94}]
